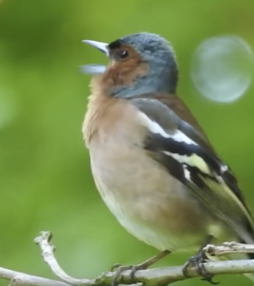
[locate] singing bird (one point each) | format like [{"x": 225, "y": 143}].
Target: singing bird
[{"x": 151, "y": 161}]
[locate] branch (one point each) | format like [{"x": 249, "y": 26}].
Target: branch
[
  {"x": 19, "y": 278},
  {"x": 151, "y": 277},
  {"x": 228, "y": 248},
  {"x": 48, "y": 255},
  {"x": 156, "y": 276}
]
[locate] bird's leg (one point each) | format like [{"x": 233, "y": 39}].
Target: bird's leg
[
  {"x": 198, "y": 260},
  {"x": 118, "y": 268}
]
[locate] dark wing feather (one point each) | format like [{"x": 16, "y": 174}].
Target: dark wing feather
[{"x": 217, "y": 187}]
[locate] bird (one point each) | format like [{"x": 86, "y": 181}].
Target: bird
[{"x": 152, "y": 162}]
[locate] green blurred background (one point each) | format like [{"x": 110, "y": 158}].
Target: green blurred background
[{"x": 45, "y": 178}]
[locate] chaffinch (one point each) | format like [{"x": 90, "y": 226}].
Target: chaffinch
[{"x": 151, "y": 161}]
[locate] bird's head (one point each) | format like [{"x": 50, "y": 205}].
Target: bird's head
[{"x": 138, "y": 64}]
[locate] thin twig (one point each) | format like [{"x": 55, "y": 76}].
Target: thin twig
[
  {"x": 48, "y": 255},
  {"x": 228, "y": 248}
]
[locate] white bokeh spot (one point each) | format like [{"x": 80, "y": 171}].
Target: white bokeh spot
[{"x": 222, "y": 68}]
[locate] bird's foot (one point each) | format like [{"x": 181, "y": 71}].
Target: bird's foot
[
  {"x": 118, "y": 268},
  {"x": 198, "y": 262}
]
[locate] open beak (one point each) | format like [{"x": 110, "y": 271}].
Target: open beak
[
  {"x": 95, "y": 68},
  {"x": 103, "y": 47}
]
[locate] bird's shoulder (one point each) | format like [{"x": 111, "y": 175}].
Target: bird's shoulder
[{"x": 168, "y": 109}]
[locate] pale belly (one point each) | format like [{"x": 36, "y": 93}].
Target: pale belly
[{"x": 139, "y": 193}]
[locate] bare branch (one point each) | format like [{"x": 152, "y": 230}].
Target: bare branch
[
  {"x": 151, "y": 277},
  {"x": 229, "y": 248},
  {"x": 19, "y": 278},
  {"x": 155, "y": 276},
  {"x": 48, "y": 255}
]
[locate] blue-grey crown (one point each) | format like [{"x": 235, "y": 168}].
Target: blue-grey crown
[{"x": 147, "y": 41}]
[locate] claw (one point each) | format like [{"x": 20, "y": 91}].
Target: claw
[
  {"x": 198, "y": 262},
  {"x": 135, "y": 268},
  {"x": 115, "y": 267},
  {"x": 118, "y": 272},
  {"x": 118, "y": 268}
]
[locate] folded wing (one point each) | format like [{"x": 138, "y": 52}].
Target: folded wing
[{"x": 187, "y": 155}]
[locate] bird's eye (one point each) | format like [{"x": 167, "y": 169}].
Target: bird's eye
[{"x": 123, "y": 54}]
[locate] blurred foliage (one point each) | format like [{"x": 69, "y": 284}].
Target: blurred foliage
[{"x": 45, "y": 178}]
